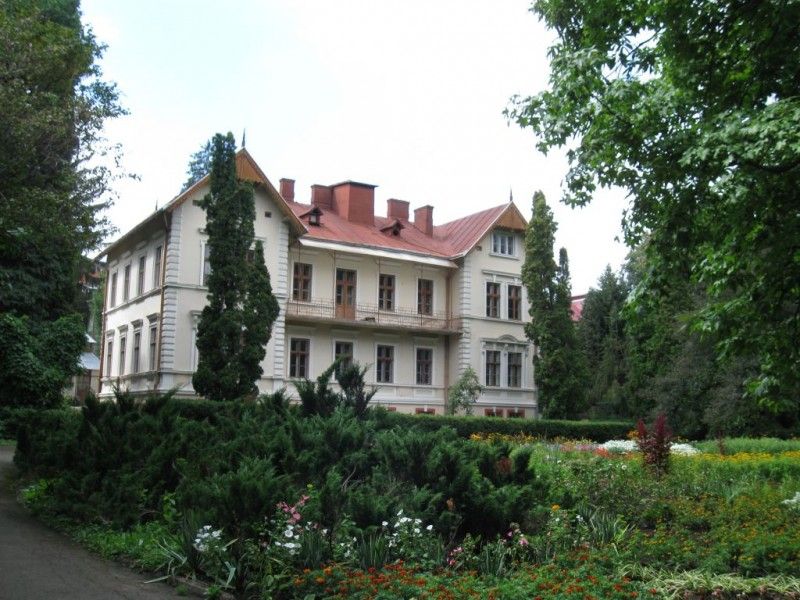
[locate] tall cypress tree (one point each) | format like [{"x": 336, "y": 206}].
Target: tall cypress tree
[
  {"x": 236, "y": 324},
  {"x": 559, "y": 365}
]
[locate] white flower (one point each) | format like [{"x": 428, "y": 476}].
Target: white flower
[
  {"x": 384, "y": 523},
  {"x": 288, "y": 533},
  {"x": 795, "y": 501},
  {"x": 619, "y": 445},
  {"x": 683, "y": 449},
  {"x": 416, "y": 529},
  {"x": 429, "y": 528}
]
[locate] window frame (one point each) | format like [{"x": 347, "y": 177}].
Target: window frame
[
  {"x": 158, "y": 256},
  {"x": 336, "y": 354},
  {"x": 140, "y": 275},
  {"x": 112, "y": 292},
  {"x": 428, "y": 297},
  {"x": 109, "y": 355},
  {"x": 299, "y": 357},
  {"x": 504, "y": 243},
  {"x": 137, "y": 351},
  {"x": 126, "y": 283},
  {"x": 514, "y": 302},
  {"x": 421, "y": 363},
  {"x": 387, "y": 286},
  {"x": 123, "y": 342},
  {"x": 153, "y": 344},
  {"x": 493, "y": 299},
  {"x": 518, "y": 368},
  {"x": 495, "y": 368},
  {"x": 205, "y": 264},
  {"x": 384, "y": 365},
  {"x": 299, "y": 290}
]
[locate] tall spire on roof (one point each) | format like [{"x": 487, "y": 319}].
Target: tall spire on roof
[
  {"x": 244, "y": 137},
  {"x": 510, "y": 194}
]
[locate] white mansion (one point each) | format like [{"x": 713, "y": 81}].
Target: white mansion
[{"x": 419, "y": 303}]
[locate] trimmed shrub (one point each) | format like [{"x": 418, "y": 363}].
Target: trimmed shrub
[{"x": 596, "y": 431}]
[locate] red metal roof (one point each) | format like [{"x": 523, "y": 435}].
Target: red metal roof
[{"x": 450, "y": 240}]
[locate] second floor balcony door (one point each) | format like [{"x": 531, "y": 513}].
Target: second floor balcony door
[{"x": 345, "y": 294}]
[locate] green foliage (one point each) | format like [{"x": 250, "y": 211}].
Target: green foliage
[
  {"x": 558, "y": 362},
  {"x": 37, "y": 359},
  {"x": 199, "y": 164},
  {"x": 766, "y": 445},
  {"x": 236, "y": 324},
  {"x": 598, "y": 431},
  {"x": 464, "y": 393},
  {"x": 248, "y": 494},
  {"x": 601, "y": 333},
  {"x": 354, "y": 395},
  {"x": 54, "y": 106},
  {"x": 695, "y": 115}
]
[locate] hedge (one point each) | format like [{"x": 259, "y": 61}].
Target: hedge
[{"x": 597, "y": 431}]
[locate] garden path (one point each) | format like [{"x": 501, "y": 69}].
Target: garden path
[{"x": 37, "y": 563}]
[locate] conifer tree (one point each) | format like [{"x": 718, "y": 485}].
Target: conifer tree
[
  {"x": 236, "y": 324},
  {"x": 559, "y": 366}
]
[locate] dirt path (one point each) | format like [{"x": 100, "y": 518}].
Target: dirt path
[{"x": 39, "y": 563}]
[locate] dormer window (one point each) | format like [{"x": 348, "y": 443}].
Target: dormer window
[
  {"x": 503, "y": 243},
  {"x": 314, "y": 216},
  {"x": 394, "y": 228}
]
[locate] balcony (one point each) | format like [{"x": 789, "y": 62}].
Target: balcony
[{"x": 370, "y": 317}]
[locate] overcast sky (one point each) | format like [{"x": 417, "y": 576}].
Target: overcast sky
[{"x": 407, "y": 95}]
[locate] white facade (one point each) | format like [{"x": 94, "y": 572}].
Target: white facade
[{"x": 417, "y": 320}]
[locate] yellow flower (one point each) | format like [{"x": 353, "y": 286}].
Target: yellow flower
[{"x": 555, "y": 507}]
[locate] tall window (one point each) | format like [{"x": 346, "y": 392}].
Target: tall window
[
  {"x": 301, "y": 284},
  {"x": 514, "y": 302},
  {"x": 493, "y": 368},
  {"x": 112, "y": 296},
  {"x": 206, "y": 263},
  {"x": 123, "y": 341},
  {"x": 109, "y": 356},
  {"x": 140, "y": 276},
  {"x": 343, "y": 352},
  {"x": 492, "y": 299},
  {"x": 425, "y": 296},
  {"x": 126, "y": 285},
  {"x": 157, "y": 267},
  {"x": 424, "y": 366},
  {"x": 515, "y": 369},
  {"x": 153, "y": 346},
  {"x": 298, "y": 357},
  {"x": 503, "y": 243},
  {"x": 137, "y": 350},
  {"x": 385, "y": 362},
  {"x": 386, "y": 292}
]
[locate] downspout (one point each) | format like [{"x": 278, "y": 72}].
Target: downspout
[
  {"x": 448, "y": 308},
  {"x": 102, "y": 340},
  {"x": 157, "y": 381}
]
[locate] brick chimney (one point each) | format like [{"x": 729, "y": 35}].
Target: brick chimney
[
  {"x": 287, "y": 189},
  {"x": 321, "y": 196},
  {"x": 423, "y": 219},
  {"x": 397, "y": 209},
  {"x": 355, "y": 201}
]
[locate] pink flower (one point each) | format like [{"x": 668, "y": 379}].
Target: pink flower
[{"x": 523, "y": 541}]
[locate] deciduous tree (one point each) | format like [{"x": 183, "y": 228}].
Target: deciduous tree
[
  {"x": 236, "y": 324},
  {"x": 694, "y": 110},
  {"x": 53, "y": 103}
]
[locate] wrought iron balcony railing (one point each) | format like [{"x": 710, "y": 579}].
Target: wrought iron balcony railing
[{"x": 366, "y": 315}]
